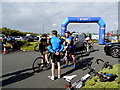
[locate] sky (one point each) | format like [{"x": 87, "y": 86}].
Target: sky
[{"x": 43, "y": 17}]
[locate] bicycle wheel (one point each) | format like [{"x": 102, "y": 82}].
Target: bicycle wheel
[
  {"x": 36, "y": 48},
  {"x": 84, "y": 47},
  {"x": 91, "y": 48},
  {"x": 37, "y": 64}
]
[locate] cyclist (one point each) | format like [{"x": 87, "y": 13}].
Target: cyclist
[
  {"x": 69, "y": 44},
  {"x": 55, "y": 48},
  {"x": 87, "y": 41},
  {"x": 11, "y": 40},
  {"x": 43, "y": 43}
]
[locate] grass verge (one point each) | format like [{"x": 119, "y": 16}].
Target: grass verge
[{"x": 29, "y": 46}]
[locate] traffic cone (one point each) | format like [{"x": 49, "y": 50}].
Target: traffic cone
[{"x": 4, "y": 52}]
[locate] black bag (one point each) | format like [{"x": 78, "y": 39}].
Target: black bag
[{"x": 104, "y": 77}]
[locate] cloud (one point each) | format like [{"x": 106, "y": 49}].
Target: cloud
[{"x": 32, "y": 16}]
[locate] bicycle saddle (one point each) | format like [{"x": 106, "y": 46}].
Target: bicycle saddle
[{"x": 69, "y": 78}]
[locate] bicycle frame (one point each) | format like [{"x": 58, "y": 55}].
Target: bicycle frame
[{"x": 78, "y": 83}]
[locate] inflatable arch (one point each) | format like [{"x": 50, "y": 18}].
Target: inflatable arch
[{"x": 98, "y": 20}]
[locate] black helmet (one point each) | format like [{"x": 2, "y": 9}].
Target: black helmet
[
  {"x": 67, "y": 32},
  {"x": 54, "y": 32},
  {"x": 44, "y": 35}
]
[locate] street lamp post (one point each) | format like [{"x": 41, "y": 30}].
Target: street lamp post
[
  {"x": 53, "y": 25},
  {"x": 43, "y": 26},
  {"x": 118, "y": 34}
]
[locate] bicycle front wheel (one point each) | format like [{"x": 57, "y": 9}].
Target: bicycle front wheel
[{"x": 37, "y": 64}]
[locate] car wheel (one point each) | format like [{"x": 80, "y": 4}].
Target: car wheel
[{"x": 115, "y": 52}]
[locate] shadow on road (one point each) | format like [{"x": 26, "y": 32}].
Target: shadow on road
[
  {"x": 95, "y": 50},
  {"x": 16, "y": 76},
  {"x": 80, "y": 65},
  {"x": 81, "y": 54}
]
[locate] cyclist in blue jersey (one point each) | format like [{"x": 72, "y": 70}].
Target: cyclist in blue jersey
[
  {"x": 11, "y": 40},
  {"x": 69, "y": 45},
  {"x": 55, "y": 48}
]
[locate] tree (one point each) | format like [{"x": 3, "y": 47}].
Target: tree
[{"x": 10, "y": 32}]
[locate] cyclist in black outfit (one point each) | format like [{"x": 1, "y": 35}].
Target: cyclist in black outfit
[{"x": 43, "y": 43}]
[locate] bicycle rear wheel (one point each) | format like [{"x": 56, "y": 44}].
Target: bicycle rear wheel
[{"x": 37, "y": 64}]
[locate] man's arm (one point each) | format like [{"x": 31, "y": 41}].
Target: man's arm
[
  {"x": 61, "y": 49},
  {"x": 50, "y": 49}
]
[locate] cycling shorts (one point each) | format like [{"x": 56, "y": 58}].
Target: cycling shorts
[
  {"x": 55, "y": 58},
  {"x": 71, "y": 50},
  {"x": 44, "y": 51}
]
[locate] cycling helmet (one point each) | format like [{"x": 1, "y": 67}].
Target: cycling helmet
[
  {"x": 87, "y": 38},
  {"x": 67, "y": 32},
  {"x": 44, "y": 35},
  {"x": 54, "y": 32}
]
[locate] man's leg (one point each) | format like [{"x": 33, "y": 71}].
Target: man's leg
[
  {"x": 59, "y": 69},
  {"x": 74, "y": 59},
  {"x": 58, "y": 63},
  {"x": 46, "y": 58},
  {"x": 42, "y": 61},
  {"x": 11, "y": 46},
  {"x": 53, "y": 70},
  {"x": 43, "y": 56},
  {"x": 66, "y": 59},
  {"x": 52, "y": 77}
]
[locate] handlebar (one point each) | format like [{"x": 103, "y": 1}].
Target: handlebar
[
  {"x": 105, "y": 65},
  {"x": 97, "y": 61},
  {"x": 92, "y": 70}
]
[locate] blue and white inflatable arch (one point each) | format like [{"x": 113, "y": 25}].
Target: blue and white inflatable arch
[{"x": 98, "y": 20}]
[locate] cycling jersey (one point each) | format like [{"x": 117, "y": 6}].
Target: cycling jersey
[
  {"x": 43, "y": 44},
  {"x": 55, "y": 45},
  {"x": 69, "y": 40},
  {"x": 11, "y": 40},
  {"x": 43, "y": 41},
  {"x": 70, "y": 43}
]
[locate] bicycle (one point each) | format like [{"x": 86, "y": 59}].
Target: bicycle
[
  {"x": 88, "y": 47},
  {"x": 79, "y": 83},
  {"x": 39, "y": 64},
  {"x": 91, "y": 48}
]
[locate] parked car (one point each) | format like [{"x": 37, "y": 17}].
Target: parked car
[
  {"x": 28, "y": 38},
  {"x": 2, "y": 36},
  {"x": 34, "y": 37},
  {"x": 79, "y": 41},
  {"x": 112, "y": 49},
  {"x": 38, "y": 37},
  {"x": 18, "y": 38}
]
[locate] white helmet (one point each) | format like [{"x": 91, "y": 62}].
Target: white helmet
[{"x": 87, "y": 38}]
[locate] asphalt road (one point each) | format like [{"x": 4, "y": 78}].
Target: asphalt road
[{"x": 17, "y": 70}]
